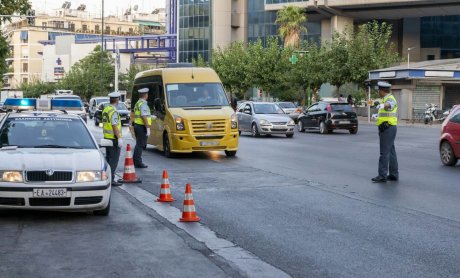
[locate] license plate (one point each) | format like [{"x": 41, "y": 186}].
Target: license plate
[
  {"x": 123, "y": 118},
  {"x": 209, "y": 143},
  {"x": 344, "y": 122},
  {"x": 50, "y": 192},
  {"x": 279, "y": 127}
]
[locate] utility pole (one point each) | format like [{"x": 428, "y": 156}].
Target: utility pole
[
  {"x": 117, "y": 67},
  {"x": 102, "y": 48}
]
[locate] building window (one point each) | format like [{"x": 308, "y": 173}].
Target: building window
[
  {"x": 44, "y": 25},
  {"x": 25, "y": 67},
  {"x": 107, "y": 30},
  {"x": 430, "y": 57},
  {"x": 84, "y": 28},
  {"x": 25, "y": 80},
  {"x": 24, "y": 37},
  {"x": 131, "y": 31},
  {"x": 96, "y": 29},
  {"x": 119, "y": 31}
]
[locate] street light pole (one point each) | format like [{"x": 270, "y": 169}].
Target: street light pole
[
  {"x": 102, "y": 46},
  {"x": 408, "y": 56}
]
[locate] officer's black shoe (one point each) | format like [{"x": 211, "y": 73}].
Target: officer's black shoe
[
  {"x": 141, "y": 165},
  {"x": 392, "y": 177},
  {"x": 379, "y": 179},
  {"x": 115, "y": 183}
]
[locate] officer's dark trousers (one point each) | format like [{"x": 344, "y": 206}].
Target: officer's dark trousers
[
  {"x": 388, "y": 159},
  {"x": 141, "y": 143},
  {"x": 112, "y": 155}
]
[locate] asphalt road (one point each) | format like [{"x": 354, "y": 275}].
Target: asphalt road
[{"x": 305, "y": 205}]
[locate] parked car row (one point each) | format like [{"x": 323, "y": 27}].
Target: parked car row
[{"x": 265, "y": 118}]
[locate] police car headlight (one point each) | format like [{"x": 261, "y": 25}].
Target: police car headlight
[
  {"x": 234, "y": 121},
  {"x": 11, "y": 176},
  {"x": 291, "y": 122},
  {"x": 179, "y": 123},
  {"x": 90, "y": 176}
]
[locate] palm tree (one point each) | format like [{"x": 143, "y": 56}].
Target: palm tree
[{"x": 291, "y": 20}]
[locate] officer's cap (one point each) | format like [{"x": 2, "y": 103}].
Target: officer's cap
[
  {"x": 384, "y": 85},
  {"x": 114, "y": 95},
  {"x": 143, "y": 90}
]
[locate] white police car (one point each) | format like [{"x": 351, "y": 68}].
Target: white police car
[{"x": 50, "y": 161}]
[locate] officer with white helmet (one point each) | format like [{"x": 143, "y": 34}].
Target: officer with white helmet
[
  {"x": 112, "y": 131},
  {"x": 142, "y": 123},
  {"x": 387, "y": 121}
]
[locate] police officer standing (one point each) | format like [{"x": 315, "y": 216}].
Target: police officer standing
[
  {"x": 112, "y": 131},
  {"x": 142, "y": 123},
  {"x": 387, "y": 122}
]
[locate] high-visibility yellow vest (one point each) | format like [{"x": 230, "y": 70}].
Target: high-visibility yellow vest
[
  {"x": 107, "y": 114},
  {"x": 388, "y": 116},
  {"x": 137, "y": 114}
]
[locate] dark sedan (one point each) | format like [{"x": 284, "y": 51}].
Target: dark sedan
[
  {"x": 121, "y": 108},
  {"x": 327, "y": 116}
]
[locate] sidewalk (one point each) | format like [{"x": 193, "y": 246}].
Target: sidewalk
[{"x": 364, "y": 121}]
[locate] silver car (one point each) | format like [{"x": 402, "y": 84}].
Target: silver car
[
  {"x": 264, "y": 118},
  {"x": 290, "y": 109}
]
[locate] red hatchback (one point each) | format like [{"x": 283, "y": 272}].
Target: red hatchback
[{"x": 449, "y": 144}]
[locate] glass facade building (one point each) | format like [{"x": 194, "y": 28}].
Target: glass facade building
[
  {"x": 283, "y": 1},
  {"x": 441, "y": 32},
  {"x": 261, "y": 23},
  {"x": 195, "y": 29}
]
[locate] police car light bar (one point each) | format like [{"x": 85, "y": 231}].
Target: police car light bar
[
  {"x": 20, "y": 103},
  {"x": 66, "y": 104},
  {"x": 24, "y": 104}
]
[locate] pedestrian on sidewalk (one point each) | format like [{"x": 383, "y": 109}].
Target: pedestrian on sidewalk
[
  {"x": 142, "y": 123},
  {"x": 387, "y": 121},
  {"x": 112, "y": 131}
]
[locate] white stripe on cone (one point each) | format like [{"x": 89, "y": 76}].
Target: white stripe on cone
[
  {"x": 188, "y": 196},
  {"x": 129, "y": 169},
  {"x": 189, "y": 208},
  {"x": 165, "y": 191},
  {"x": 166, "y": 181}
]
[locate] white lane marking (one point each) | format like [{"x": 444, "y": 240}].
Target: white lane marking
[{"x": 243, "y": 259}]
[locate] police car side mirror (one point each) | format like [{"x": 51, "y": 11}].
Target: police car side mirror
[{"x": 105, "y": 143}]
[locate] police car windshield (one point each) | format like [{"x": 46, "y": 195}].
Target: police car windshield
[
  {"x": 196, "y": 95},
  {"x": 45, "y": 132}
]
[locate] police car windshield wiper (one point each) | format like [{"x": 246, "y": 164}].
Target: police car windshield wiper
[{"x": 57, "y": 147}]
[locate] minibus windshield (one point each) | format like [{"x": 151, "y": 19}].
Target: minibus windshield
[{"x": 196, "y": 95}]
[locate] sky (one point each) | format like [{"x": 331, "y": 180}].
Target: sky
[{"x": 111, "y": 7}]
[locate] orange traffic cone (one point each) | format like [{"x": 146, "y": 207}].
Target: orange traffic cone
[
  {"x": 189, "y": 213},
  {"x": 129, "y": 174},
  {"x": 165, "y": 190}
]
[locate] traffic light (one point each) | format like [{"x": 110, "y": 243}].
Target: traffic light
[{"x": 31, "y": 17}]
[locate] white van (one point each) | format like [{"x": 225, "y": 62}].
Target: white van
[{"x": 94, "y": 104}]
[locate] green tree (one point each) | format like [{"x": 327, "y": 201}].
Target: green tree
[
  {"x": 310, "y": 71},
  {"x": 127, "y": 79},
  {"x": 337, "y": 60},
  {"x": 84, "y": 78},
  {"x": 200, "y": 62},
  {"x": 9, "y": 7},
  {"x": 291, "y": 20},
  {"x": 231, "y": 64},
  {"x": 35, "y": 88},
  {"x": 371, "y": 48},
  {"x": 267, "y": 66}
]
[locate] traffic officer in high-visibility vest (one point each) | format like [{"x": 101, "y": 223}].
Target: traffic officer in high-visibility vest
[
  {"x": 387, "y": 121},
  {"x": 112, "y": 131},
  {"x": 142, "y": 123}
]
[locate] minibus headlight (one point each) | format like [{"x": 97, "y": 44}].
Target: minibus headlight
[
  {"x": 234, "y": 121},
  {"x": 179, "y": 123}
]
